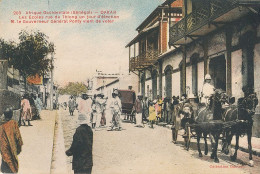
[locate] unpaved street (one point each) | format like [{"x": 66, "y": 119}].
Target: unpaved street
[{"x": 144, "y": 150}]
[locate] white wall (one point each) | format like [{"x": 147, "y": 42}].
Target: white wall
[
  {"x": 129, "y": 80},
  {"x": 257, "y": 72},
  {"x": 163, "y": 87},
  {"x": 176, "y": 84},
  {"x": 236, "y": 75},
  {"x": 173, "y": 60},
  {"x": 200, "y": 75},
  {"x": 189, "y": 80}
]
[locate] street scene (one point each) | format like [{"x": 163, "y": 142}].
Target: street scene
[{"x": 129, "y": 87}]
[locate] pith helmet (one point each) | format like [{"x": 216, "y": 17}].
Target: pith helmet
[
  {"x": 115, "y": 92},
  {"x": 207, "y": 77}
]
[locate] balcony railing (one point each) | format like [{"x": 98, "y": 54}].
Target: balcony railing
[
  {"x": 200, "y": 17},
  {"x": 143, "y": 60}
]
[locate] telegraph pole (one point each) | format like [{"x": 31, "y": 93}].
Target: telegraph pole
[{"x": 51, "y": 90}]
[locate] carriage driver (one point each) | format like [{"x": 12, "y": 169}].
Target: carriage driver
[{"x": 207, "y": 90}]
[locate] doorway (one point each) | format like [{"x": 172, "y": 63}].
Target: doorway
[
  {"x": 217, "y": 71},
  {"x": 154, "y": 84},
  {"x": 168, "y": 82}
]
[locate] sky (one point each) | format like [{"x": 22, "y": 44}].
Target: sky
[{"x": 81, "y": 49}]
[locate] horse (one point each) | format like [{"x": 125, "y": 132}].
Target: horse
[
  {"x": 208, "y": 121},
  {"x": 242, "y": 114}
]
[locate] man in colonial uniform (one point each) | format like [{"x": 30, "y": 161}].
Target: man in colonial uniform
[{"x": 207, "y": 90}]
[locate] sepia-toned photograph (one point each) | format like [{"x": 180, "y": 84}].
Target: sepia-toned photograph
[{"x": 130, "y": 86}]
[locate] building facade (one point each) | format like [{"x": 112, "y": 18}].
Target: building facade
[{"x": 220, "y": 38}]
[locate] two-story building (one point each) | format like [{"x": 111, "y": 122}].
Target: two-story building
[
  {"x": 216, "y": 37},
  {"x": 150, "y": 44}
]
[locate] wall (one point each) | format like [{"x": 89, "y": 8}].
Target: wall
[
  {"x": 173, "y": 60},
  {"x": 8, "y": 98},
  {"x": 200, "y": 76},
  {"x": 163, "y": 87},
  {"x": 3, "y": 74},
  {"x": 236, "y": 75},
  {"x": 256, "y": 127},
  {"x": 176, "y": 84},
  {"x": 189, "y": 80},
  {"x": 217, "y": 43}
]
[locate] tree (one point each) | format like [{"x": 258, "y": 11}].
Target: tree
[
  {"x": 7, "y": 49},
  {"x": 73, "y": 88},
  {"x": 30, "y": 56}
]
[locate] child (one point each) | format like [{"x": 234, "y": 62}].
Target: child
[{"x": 152, "y": 114}]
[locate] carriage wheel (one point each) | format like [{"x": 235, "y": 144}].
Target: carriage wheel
[{"x": 187, "y": 137}]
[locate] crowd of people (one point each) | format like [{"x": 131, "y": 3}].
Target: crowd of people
[
  {"x": 91, "y": 112},
  {"x": 167, "y": 110},
  {"x": 144, "y": 110},
  {"x": 95, "y": 107}
]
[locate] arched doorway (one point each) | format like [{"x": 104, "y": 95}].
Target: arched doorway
[
  {"x": 154, "y": 84},
  {"x": 168, "y": 81},
  {"x": 217, "y": 70}
]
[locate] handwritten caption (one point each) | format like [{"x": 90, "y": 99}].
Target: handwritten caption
[
  {"x": 226, "y": 166},
  {"x": 65, "y": 17}
]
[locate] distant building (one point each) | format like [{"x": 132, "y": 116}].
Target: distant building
[
  {"x": 105, "y": 83},
  {"x": 96, "y": 83}
]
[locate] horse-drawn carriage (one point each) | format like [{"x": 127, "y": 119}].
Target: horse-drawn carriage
[
  {"x": 221, "y": 119},
  {"x": 127, "y": 100}
]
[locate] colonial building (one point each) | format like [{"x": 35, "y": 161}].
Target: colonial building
[
  {"x": 216, "y": 37},
  {"x": 151, "y": 42}
]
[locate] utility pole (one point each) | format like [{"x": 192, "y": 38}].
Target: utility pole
[{"x": 51, "y": 90}]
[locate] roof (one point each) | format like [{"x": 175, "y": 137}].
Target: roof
[
  {"x": 176, "y": 4},
  {"x": 141, "y": 28},
  {"x": 155, "y": 25}
]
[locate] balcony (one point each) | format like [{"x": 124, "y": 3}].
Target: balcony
[
  {"x": 206, "y": 19},
  {"x": 143, "y": 60}
]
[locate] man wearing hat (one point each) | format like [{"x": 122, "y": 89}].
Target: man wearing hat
[
  {"x": 81, "y": 147},
  {"x": 103, "y": 108},
  {"x": 100, "y": 103},
  {"x": 72, "y": 105},
  {"x": 207, "y": 90}
]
